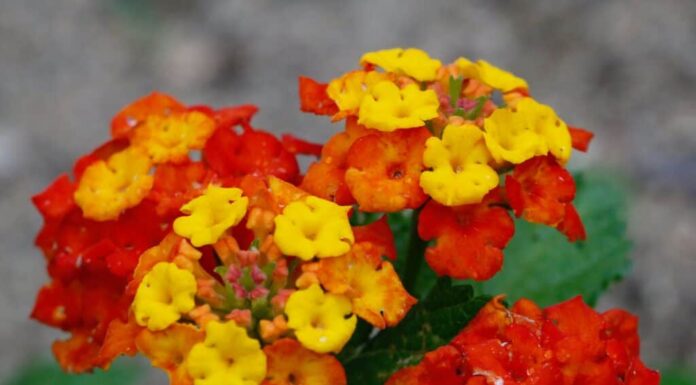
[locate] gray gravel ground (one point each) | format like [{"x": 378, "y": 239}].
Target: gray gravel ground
[{"x": 625, "y": 69}]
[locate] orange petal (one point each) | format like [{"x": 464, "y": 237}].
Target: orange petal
[{"x": 313, "y": 97}]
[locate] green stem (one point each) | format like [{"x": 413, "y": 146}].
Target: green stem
[{"x": 414, "y": 256}]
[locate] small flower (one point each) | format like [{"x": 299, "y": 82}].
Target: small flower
[
  {"x": 210, "y": 214},
  {"x": 384, "y": 170},
  {"x": 319, "y": 319},
  {"x": 460, "y": 171},
  {"x": 313, "y": 227},
  {"x": 168, "y": 349},
  {"x": 169, "y": 138},
  {"x": 107, "y": 188},
  {"x": 490, "y": 75},
  {"x": 388, "y": 108},
  {"x": 371, "y": 283},
  {"x": 163, "y": 296},
  {"x": 411, "y": 62},
  {"x": 469, "y": 239},
  {"x": 542, "y": 191},
  {"x": 227, "y": 356},
  {"x": 349, "y": 90},
  {"x": 291, "y": 364},
  {"x": 515, "y": 134}
]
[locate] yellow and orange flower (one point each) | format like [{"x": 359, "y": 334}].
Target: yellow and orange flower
[
  {"x": 371, "y": 283},
  {"x": 169, "y": 138},
  {"x": 291, "y": 364},
  {"x": 108, "y": 188}
]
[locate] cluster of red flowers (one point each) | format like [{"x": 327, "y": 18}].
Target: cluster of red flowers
[
  {"x": 566, "y": 344},
  {"x": 91, "y": 258}
]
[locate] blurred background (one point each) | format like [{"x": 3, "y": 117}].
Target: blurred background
[{"x": 623, "y": 69}]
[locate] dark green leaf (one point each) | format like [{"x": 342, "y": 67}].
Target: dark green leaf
[
  {"x": 678, "y": 376},
  {"x": 540, "y": 264},
  {"x": 430, "y": 324}
]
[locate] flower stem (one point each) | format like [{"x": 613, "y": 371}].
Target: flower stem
[{"x": 414, "y": 255}]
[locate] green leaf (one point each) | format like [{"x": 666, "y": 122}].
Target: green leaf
[
  {"x": 48, "y": 372},
  {"x": 430, "y": 324},
  {"x": 678, "y": 376},
  {"x": 540, "y": 264}
]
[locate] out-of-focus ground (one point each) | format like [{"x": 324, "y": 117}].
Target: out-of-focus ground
[{"x": 624, "y": 69}]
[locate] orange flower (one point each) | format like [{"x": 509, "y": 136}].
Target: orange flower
[
  {"x": 168, "y": 349},
  {"x": 541, "y": 191},
  {"x": 469, "y": 238},
  {"x": 291, "y": 364},
  {"x": 384, "y": 170},
  {"x": 371, "y": 283}
]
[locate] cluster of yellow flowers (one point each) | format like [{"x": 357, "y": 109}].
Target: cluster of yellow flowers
[{"x": 473, "y": 138}]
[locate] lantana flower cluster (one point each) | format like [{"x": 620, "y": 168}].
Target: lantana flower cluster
[
  {"x": 193, "y": 238},
  {"x": 185, "y": 238},
  {"x": 465, "y": 143}
]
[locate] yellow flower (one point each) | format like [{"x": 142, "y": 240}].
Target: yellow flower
[
  {"x": 319, "y": 319},
  {"x": 210, "y": 214},
  {"x": 165, "y": 293},
  {"x": 348, "y": 90},
  {"x": 411, "y": 62},
  {"x": 228, "y": 356},
  {"x": 388, "y": 108},
  {"x": 515, "y": 134},
  {"x": 313, "y": 227},
  {"x": 107, "y": 188},
  {"x": 170, "y": 138},
  {"x": 490, "y": 75},
  {"x": 460, "y": 172}
]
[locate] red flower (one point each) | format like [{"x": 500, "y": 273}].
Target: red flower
[
  {"x": 252, "y": 152},
  {"x": 541, "y": 191},
  {"x": 469, "y": 239}
]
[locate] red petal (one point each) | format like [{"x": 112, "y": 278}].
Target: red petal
[
  {"x": 580, "y": 138},
  {"x": 313, "y": 97},
  {"x": 296, "y": 145},
  {"x": 379, "y": 234},
  {"x": 57, "y": 199},
  {"x": 572, "y": 225}
]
